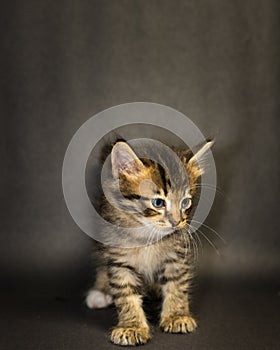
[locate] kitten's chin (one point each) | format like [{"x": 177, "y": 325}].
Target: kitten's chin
[{"x": 163, "y": 231}]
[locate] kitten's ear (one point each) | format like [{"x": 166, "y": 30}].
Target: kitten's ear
[
  {"x": 200, "y": 154},
  {"x": 125, "y": 161}
]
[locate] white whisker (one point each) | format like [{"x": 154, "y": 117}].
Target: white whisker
[
  {"x": 210, "y": 242},
  {"x": 212, "y": 230}
]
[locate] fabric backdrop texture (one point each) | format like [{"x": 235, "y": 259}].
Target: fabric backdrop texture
[{"x": 62, "y": 62}]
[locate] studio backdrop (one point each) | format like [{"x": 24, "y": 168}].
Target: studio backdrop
[{"x": 62, "y": 62}]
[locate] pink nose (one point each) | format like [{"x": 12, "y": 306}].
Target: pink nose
[{"x": 174, "y": 223}]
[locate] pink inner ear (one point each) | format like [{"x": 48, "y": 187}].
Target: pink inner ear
[
  {"x": 129, "y": 166},
  {"x": 125, "y": 161}
]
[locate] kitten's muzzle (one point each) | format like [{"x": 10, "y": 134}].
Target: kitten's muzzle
[{"x": 174, "y": 223}]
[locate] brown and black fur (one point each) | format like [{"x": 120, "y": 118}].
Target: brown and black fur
[{"x": 127, "y": 267}]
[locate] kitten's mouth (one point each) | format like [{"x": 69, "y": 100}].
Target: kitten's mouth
[
  {"x": 179, "y": 225},
  {"x": 171, "y": 225},
  {"x": 165, "y": 230}
]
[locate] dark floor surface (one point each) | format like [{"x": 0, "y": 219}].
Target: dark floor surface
[{"x": 231, "y": 316}]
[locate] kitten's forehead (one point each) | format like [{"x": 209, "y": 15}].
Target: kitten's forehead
[
  {"x": 167, "y": 169},
  {"x": 148, "y": 188},
  {"x": 183, "y": 192},
  {"x": 164, "y": 173},
  {"x": 168, "y": 183}
]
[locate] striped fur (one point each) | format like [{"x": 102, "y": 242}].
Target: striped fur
[{"x": 164, "y": 264}]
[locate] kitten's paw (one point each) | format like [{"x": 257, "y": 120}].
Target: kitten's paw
[
  {"x": 130, "y": 335},
  {"x": 98, "y": 300},
  {"x": 178, "y": 324}
]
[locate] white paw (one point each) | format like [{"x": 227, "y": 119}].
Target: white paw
[{"x": 97, "y": 300}]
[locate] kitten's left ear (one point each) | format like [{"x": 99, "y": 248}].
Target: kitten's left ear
[
  {"x": 125, "y": 161},
  {"x": 200, "y": 154}
]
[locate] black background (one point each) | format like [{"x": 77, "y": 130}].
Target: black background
[{"x": 61, "y": 62}]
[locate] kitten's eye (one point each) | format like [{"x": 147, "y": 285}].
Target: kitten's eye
[
  {"x": 186, "y": 203},
  {"x": 158, "y": 203}
]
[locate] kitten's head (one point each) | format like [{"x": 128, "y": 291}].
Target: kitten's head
[{"x": 157, "y": 187}]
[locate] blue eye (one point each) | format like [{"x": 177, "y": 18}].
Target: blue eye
[
  {"x": 186, "y": 203},
  {"x": 158, "y": 203}
]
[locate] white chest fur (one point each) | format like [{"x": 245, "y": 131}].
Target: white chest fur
[{"x": 147, "y": 260}]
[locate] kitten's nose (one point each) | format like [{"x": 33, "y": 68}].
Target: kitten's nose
[{"x": 174, "y": 223}]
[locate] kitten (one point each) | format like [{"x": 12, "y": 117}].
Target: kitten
[{"x": 155, "y": 195}]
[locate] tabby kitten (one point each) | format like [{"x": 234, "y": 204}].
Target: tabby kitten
[{"x": 151, "y": 193}]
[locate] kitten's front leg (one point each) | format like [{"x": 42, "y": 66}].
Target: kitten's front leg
[
  {"x": 175, "y": 315},
  {"x": 132, "y": 328}
]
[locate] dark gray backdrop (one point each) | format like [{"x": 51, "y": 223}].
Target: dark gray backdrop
[{"x": 216, "y": 61}]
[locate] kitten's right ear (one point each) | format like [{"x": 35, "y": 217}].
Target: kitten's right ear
[
  {"x": 125, "y": 161},
  {"x": 200, "y": 154},
  {"x": 193, "y": 163}
]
